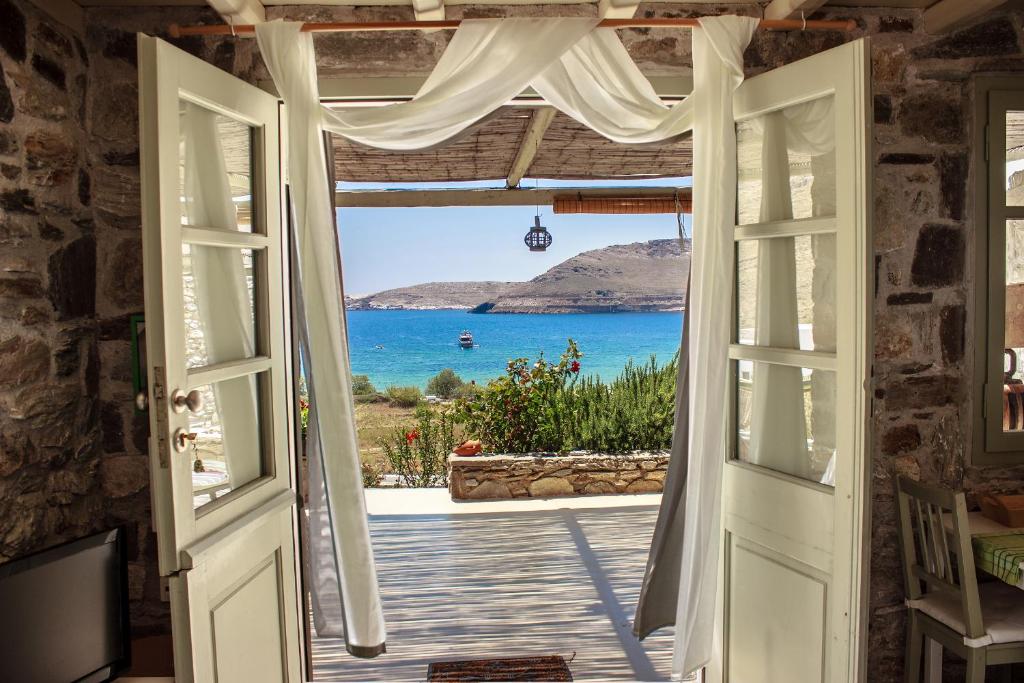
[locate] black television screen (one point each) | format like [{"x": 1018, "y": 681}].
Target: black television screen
[{"x": 64, "y": 612}]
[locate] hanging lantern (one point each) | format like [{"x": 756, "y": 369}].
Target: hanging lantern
[{"x": 538, "y": 239}]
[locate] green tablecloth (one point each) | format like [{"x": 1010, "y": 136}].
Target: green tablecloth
[{"x": 1001, "y": 554}]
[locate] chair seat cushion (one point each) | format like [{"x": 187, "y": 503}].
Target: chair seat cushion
[{"x": 1002, "y": 608}]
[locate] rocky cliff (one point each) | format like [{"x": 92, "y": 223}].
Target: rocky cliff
[{"x": 643, "y": 276}]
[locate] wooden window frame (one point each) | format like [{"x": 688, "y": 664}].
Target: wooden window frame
[{"x": 994, "y": 95}]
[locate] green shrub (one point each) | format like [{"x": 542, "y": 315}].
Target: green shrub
[
  {"x": 635, "y": 411},
  {"x": 445, "y": 384},
  {"x": 372, "y": 475},
  {"x": 404, "y": 397},
  {"x": 548, "y": 407},
  {"x": 370, "y": 398},
  {"x": 418, "y": 455},
  {"x": 469, "y": 390},
  {"x": 362, "y": 386},
  {"x": 516, "y": 413}
]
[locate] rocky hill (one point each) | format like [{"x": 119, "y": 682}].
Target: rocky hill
[
  {"x": 432, "y": 296},
  {"x": 643, "y": 276}
]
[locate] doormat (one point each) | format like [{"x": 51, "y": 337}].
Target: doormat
[{"x": 551, "y": 668}]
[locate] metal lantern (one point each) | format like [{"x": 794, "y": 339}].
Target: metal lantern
[{"x": 538, "y": 239}]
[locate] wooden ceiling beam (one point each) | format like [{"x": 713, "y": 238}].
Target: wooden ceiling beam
[
  {"x": 240, "y": 12},
  {"x": 616, "y": 9},
  {"x": 791, "y": 9},
  {"x": 428, "y": 10},
  {"x": 946, "y": 15},
  {"x": 532, "y": 138}
]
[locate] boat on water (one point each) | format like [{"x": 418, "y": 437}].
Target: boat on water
[{"x": 466, "y": 339}]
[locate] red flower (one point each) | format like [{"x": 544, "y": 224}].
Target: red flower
[
  {"x": 412, "y": 436},
  {"x": 575, "y": 367}
]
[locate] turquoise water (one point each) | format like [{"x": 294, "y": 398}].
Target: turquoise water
[{"x": 418, "y": 344}]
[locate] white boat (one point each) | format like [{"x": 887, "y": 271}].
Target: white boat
[{"x": 466, "y": 339}]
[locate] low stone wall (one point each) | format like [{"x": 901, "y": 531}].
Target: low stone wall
[{"x": 495, "y": 477}]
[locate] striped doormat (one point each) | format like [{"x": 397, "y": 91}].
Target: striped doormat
[{"x": 551, "y": 668}]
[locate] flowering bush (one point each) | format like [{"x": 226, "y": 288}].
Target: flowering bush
[
  {"x": 517, "y": 413},
  {"x": 549, "y": 407},
  {"x": 418, "y": 454}
]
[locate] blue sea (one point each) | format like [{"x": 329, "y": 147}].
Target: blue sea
[{"x": 416, "y": 345}]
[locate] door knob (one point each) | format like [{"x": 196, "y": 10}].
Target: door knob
[{"x": 180, "y": 401}]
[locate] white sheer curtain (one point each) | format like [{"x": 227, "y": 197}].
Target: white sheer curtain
[
  {"x": 587, "y": 74},
  {"x": 718, "y": 70},
  {"x": 222, "y": 292},
  {"x": 344, "y": 585},
  {"x": 778, "y": 432}
]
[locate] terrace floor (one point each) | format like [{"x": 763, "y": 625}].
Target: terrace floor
[{"x": 506, "y": 579}]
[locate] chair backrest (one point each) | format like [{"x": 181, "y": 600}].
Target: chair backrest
[{"x": 935, "y": 539}]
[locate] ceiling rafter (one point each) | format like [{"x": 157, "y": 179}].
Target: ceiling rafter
[
  {"x": 949, "y": 14},
  {"x": 241, "y": 12},
  {"x": 791, "y": 9},
  {"x": 530, "y": 144},
  {"x": 616, "y": 9},
  {"x": 428, "y": 10}
]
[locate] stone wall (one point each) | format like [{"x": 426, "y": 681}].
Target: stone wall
[{"x": 502, "y": 477}]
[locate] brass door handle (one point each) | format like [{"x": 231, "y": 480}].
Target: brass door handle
[{"x": 192, "y": 401}]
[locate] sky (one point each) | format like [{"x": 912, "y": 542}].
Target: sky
[{"x": 388, "y": 248}]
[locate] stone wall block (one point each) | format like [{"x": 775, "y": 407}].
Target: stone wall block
[
  {"x": 72, "y": 288},
  {"x": 938, "y": 256}
]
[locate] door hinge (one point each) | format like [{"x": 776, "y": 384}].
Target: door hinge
[{"x": 988, "y": 154}]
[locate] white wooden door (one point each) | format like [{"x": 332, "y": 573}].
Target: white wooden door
[
  {"x": 224, "y": 501},
  {"x": 792, "y": 604}
]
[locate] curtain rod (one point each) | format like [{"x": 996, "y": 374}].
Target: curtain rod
[{"x": 177, "y": 31}]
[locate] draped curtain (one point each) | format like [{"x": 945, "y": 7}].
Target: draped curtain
[
  {"x": 221, "y": 291},
  {"x": 586, "y": 73},
  {"x": 778, "y": 428}
]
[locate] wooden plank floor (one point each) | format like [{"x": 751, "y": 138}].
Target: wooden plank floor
[{"x": 506, "y": 584}]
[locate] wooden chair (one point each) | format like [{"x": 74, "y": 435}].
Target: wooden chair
[{"x": 983, "y": 625}]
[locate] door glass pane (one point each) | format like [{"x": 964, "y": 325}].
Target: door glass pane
[
  {"x": 220, "y": 303},
  {"x": 1013, "y": 345},
  {"x": 226, "y": 445},
  {"x": 216, "y": 169},
  {"x": 785, "y": 419},
  {"x": 786, "y": 163},
  {"x": 1015, "y": 158},
  {"x": 786, "y": 293}
]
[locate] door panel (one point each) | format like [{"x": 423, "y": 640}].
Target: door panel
[
  {"x": 763, "y": 648},
  {"x": 794, "y": 488},
  {"x": 216, "y": 306}
]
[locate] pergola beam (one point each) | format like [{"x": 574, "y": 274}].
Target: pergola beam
[
  {"x": 791, "y": 9},
  {"x": 946, "y": 15},
  {"x": 395, "y": 199},
  {"x": 428, "y": 10},
  {"x": 240, "y": 12},
  {"x": 616, "y": 9},
  {"x": 528, "y": 148}
]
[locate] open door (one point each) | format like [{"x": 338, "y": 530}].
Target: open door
[
  {"x": 795, "y": 495},
  {"x": 224, "y": 501}
]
